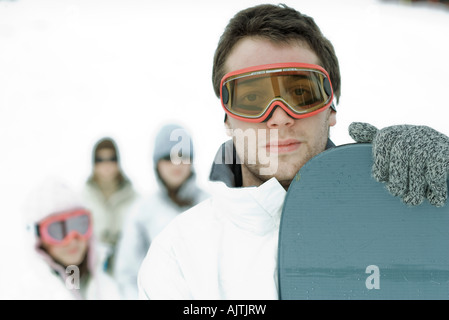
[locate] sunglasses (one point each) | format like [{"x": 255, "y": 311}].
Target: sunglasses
[
  {"x": 111, "y": 159},
  {"x": 184, "y": 158},
  {"x": 301, "y": 89},
  {"x": 60, "y": 228}
]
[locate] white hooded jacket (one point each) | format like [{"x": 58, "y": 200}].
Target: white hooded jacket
[{"x": 43, "y": 279}]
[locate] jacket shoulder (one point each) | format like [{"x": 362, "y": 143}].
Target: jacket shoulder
[{"x": 190, "y": 223}]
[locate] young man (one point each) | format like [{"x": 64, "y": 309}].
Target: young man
[{"x": 277, "y": 77}]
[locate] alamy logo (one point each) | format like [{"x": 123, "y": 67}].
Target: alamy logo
[
  {"x": 73, "y": 279},
  {"x": 180, "y": 152},
  {"x": 254, "y": 147},
  {"x": 248, "y": 142},
  {"x": 373, "y": 280}
]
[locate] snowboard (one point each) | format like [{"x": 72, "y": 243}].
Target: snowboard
[{"x": 344, "y": 236}]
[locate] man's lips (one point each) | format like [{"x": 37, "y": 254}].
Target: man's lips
[{"x": 283, "y": 146}]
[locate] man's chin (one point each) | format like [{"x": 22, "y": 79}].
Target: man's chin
[{"x": 285, "y": 179}]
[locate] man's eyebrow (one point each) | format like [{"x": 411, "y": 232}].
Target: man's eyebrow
[
  {"x": 250, "y": 80},
  {"x": 296, "y": 77}
]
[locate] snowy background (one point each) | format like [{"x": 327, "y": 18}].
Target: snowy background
[{"x": 73, "y": 71}]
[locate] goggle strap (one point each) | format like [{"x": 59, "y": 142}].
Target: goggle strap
[{"x": 333, "y": 107}]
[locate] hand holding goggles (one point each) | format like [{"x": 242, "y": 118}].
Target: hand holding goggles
[
  {"x": 59, "y": 229},
  {"x": 301, "y": 89}
]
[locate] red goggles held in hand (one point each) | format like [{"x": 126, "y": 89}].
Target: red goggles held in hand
[
  {"x": 60, "y": 228},
  {"x": 301, "y": 89}
]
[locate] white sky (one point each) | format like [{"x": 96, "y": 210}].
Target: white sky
[{"x": 72, "y": 71}]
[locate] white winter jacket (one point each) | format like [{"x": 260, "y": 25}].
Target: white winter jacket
[
  {"x": 223, "y": 248},
  {"x": 43, "y": 279}
]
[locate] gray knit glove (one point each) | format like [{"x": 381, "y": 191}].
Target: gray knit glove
[{"x": 412, "y": 160}]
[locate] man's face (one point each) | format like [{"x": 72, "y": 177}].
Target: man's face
[{"x": 280, "y": 146}]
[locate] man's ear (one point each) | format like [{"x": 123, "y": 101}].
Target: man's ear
[{"x": 332, "y": 118}]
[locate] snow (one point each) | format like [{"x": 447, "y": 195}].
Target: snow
[{"x": 74, "y": 71}]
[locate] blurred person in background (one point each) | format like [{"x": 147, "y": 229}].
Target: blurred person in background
[
  {"x": 177, "y": 191},
  {"x": 62, "y": 263},
  {"x": 108, "y": 193}
]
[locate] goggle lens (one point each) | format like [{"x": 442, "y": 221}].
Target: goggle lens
[
  {"x": 57, "y": 229},
  {"x": 302, "y": 88},
  {"x": 60, "y": 229}
]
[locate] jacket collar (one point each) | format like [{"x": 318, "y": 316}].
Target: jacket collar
[{"x": 255, "y": 209}]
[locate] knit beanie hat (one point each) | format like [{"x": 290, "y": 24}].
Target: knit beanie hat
[{"x": 172, "y": 141}]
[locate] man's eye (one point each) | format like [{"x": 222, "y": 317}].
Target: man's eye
[
  {"x": 299, "y": 91},
  {"x": 251, "y": 97}
]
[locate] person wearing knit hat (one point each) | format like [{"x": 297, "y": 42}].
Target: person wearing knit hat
[
  {"x": 178, "y": 190},
  {"x": 172, "y": 140},
  {"x": 62, "y": 261},
  {"x": 108, "y": 193}
]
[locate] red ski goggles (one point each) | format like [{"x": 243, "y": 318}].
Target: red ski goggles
[
  {"x": 60, "y": 228},
  {"x": 301, "y": 89}
]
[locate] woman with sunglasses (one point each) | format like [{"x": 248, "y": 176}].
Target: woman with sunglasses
[
  {"x": 63, "y": 263},
  {"x": 108, "y": 193}
]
